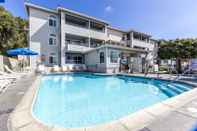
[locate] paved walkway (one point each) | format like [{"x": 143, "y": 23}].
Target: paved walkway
[
  {"x": 11, "y": 97},
  {"x": 183, "y": 119}
]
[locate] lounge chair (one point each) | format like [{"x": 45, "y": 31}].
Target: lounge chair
[
  {"x": 4, "y": 83},
  {"x": 74, "y": 68},
  {"x": 7, "y": 69},
  {"x": 40, "y": 69},
  {"x": 84, "y": 68},
  {"x": 8, "y": 76},
  {"x": 64, "y": 69},
  {"x": 56, "y": 68},
  {"x": 81, "y": 68},
  {"x": 27, "y": 69},
  {"x": 77, "y": 68},
  {"x": 70, "y": 68}
]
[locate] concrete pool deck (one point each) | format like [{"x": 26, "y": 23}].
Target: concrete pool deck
[
  {"x": 11, "y": 97},
  {"x": 178, "y": 113}
]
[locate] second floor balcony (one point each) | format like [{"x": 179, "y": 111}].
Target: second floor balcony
[
  {"x": 84, "y": 27},
  {"x": 142, "y": 44},
  {"x": 75, "y": 47}
]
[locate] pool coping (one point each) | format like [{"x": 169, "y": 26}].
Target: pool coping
[{"x": 22, "y": 118}]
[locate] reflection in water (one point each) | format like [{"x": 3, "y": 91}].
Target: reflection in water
[{"x": 67, "y": 78}]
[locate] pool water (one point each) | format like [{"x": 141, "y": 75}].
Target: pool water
[{"x": 84, "y": 99}]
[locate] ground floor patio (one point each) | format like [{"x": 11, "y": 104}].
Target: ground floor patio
[
  {"x": 104, "y": 59},
  {"x": 109, "y": 59}
]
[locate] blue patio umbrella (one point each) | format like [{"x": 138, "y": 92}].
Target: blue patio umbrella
[{"x": 21, "y": 51}]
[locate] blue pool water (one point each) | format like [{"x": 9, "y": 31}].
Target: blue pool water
[{"x": 82, "y": 99}]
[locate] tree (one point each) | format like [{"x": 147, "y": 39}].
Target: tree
[
  {"x": 12, "y": 33},
  {"x": 178, "y": 49}
]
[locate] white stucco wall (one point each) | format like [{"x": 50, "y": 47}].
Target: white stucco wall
[
  {"x": 92, "y": 60},
  {"x": 39, "y": 35}
]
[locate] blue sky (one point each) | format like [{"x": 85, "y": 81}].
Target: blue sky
[{"x": 167, "y": 19}]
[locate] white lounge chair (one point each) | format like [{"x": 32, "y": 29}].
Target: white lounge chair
[
  {"x": 15, "y": 74},
  {"x": 64, "y": 68},
  {"x": 71, "y": 68},
  {"x": 41, "y": 69},
  {"x": 7, "y": 69},
  {"x": 8, "y": 76},
  {"x": 84, "y": 68},
  {"x": 4, "y": 83},
  {"x": 68, "y": 68},
  {"x": 74, "y": 68},
  {"x": 56, "y": 68},
  {"x": 77, "y": 68}
]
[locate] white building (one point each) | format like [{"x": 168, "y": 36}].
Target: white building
[{"x": 64, "y": 37}]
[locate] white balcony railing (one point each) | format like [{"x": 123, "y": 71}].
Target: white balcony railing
[
  {"x": 143, "y": 44},
  {"x": 85, "y": 32},
  {"x": 77, "y": 48}
]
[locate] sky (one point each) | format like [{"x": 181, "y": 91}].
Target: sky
[{"x": 163, "y": 19}]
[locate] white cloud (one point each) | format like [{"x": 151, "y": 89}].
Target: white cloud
[{"x": 108, "y": 8}]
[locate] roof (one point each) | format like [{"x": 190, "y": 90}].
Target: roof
[
  {"x": 127, "y": 31},
  {"x": 27, "y": 4},
  {"x": 132, "y": 30},
  {"x": 117, "y": 29}
]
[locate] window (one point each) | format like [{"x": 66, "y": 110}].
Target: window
[
  {"x": 114, "y": 57},
  {"x": 102, "y": 57},
  {"x": 52, "y": 39},
  {"x": 52, "y": 58},
  {"x": 52, "y": 21},
  {"x": 72, "y": 58}
]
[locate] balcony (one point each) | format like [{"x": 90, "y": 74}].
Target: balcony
[
  {"x": 75, "y": 47},
  {"x": 85, "y": 32},
  {"x": 143, "y": 44},
  {"x": 83, "y": 27}
]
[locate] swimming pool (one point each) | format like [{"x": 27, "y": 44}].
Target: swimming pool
[{"x": 83, "y": 99}]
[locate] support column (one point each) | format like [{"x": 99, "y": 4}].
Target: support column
[
  {"x": 131, "y": 39},
  {"x": 89, "y": 33},
  {"x": 106, "y": 58},
  {"x": 89, "y": 42},
  {"x": 62, "y": 41}
]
